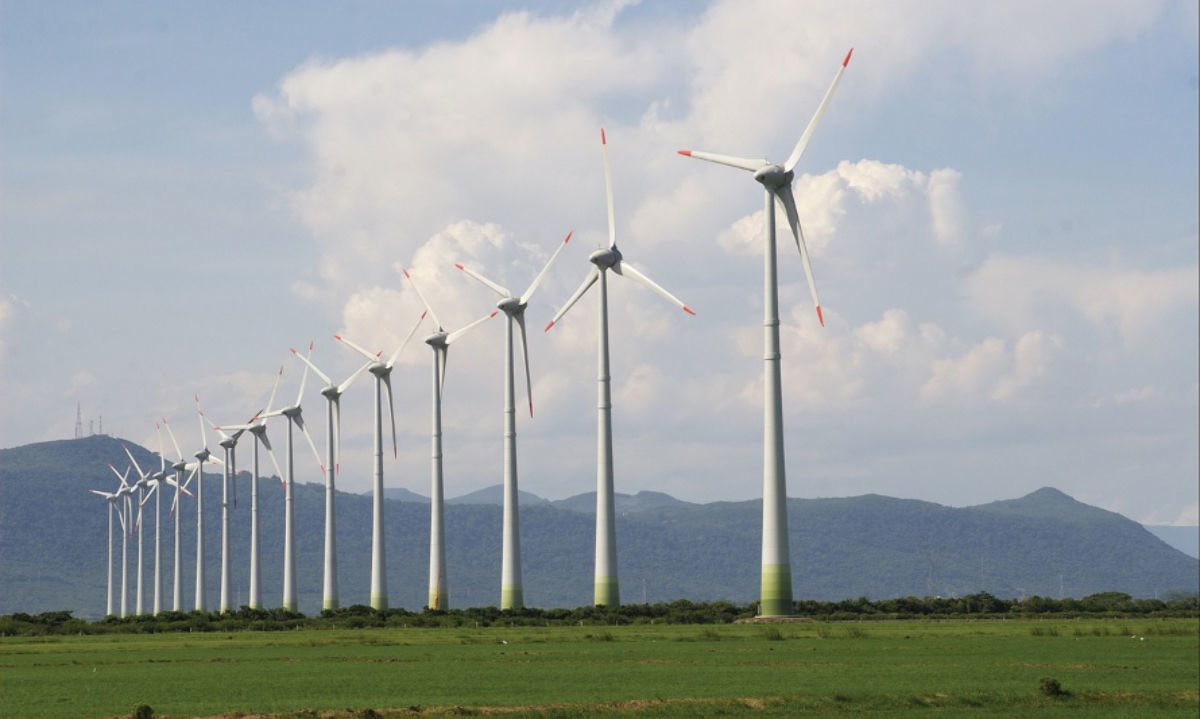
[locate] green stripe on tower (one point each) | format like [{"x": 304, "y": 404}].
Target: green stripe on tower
[
  {"x": 607, "y": 592},
  {"x": 776, "y": 590},
  {"x": 511, "y": 596}
]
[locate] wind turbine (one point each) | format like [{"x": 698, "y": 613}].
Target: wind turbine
[
  {"x": 136, "y": 527},
  {"x": 179, "y": 467},
  {"x": 607, "y": 589},
  {"x": 194, "y": 469},
  {"x": 112, "y": 498},
  {"x": 294, "y": 415},
  {"x": 439, "y": 341},
  {"x": 154, "y": 481},
  {"x": 333, "y": 436},
  {"x": 229, "y": 444},
  {"x": 145, "y": 479},
  {"x": 202, "y": 455},
  {"x": 383, "y": 380},
  {"x": 776, "y": 179},
  {"x": 511, "y": 590},
  {"x": 258, "y": 428}
]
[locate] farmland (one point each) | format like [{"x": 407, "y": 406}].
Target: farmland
[{"x": 990, "y": 668}]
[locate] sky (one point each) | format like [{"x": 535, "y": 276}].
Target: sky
[{"x": 1000, "y": 205}]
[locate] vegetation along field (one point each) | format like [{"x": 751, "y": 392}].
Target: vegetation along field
[{"x": 1142, "y": 667}]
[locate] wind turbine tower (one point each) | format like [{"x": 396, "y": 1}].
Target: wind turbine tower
[
  {"x": 776, "y": 179},
  {"x": 439, "y": 342},
  {"x": 294, "y": 415},
  {"x": 512, "y": 593},
  {"x": 333, "y": 422},
  {"x": 607, "y": 588},
  {"x": 258, "y": 428},
  {"x": 383, "y": 381}
]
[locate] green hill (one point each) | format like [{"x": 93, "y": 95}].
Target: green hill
[{"x": 52, "y": 544}]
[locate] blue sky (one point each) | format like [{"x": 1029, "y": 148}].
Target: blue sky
[{"x": 1000, "y": 203}]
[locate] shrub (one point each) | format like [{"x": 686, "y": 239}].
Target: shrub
[{"x": 1051, "y": 687}]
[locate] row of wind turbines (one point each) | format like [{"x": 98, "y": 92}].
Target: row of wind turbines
[{"x": 776, "y": 584}]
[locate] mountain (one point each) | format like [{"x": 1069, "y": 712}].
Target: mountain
[
  {"x": 495, "y": 495},
  {"x": 623, "y": 503},
  {"x": 400, "y": 494},
  {"x": 53, "y": 554},
  {"x": 1184, "y": 538}
]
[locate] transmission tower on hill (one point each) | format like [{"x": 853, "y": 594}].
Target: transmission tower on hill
[{"x": 78, "y": 421}]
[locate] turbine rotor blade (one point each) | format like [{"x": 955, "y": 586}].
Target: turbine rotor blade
[
  {"x": 200, "y": 421},
  {"x": 369, "y": 355},
  {"x": 311, "y": 366},
  {"x": 608, "y": 193},
  {"x": 311, "y": 444},
  {"x": 537, "y": 281},
  {"x": 789, "y": 206},
  {"x": 798, "y": 151},
  {"x": 341, "y": 388},
  {"x": 337, "y": 433},
  {"x": 456, "y": 334},
  {"x": 133, "y": 461},
  {"x": 178, "y": 451},
  {"x": 274, "y": 389},
  {"x": 592, "y": 276},
  {"x": 627, "y": 270},
  {"x": 498, "y": 289},
  {"x": 428, "y": 308},
  {"x": 387, "y": 384},
  {"x": 304, "y": 377},
  {"x": 395, "y": 355},
  {"x": 741, "y": 163},
  {"x": 520, "y": 318}
]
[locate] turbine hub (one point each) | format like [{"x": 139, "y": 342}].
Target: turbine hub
[
  {"x": 605, "y": 258},
  {"x": 229, "y": 443},
  {"x": 378, "y": 369},
  {"x": 330, "y": 393},
  {"x": 774, "y": 176},
  {"x": 437, "y": 339}
]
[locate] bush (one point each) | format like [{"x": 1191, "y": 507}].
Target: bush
[{"x": 1051, "y": 687}]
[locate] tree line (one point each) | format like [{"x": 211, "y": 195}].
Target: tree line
[{"x": 681, "y": 611}]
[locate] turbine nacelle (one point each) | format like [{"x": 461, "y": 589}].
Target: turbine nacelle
[
  {"x": 511, "y": 305},
  {"x": 331, "y": 393},
  {"x": 774, "y": 176},
  {"x": 605, "y": 257},
  {"x": 438, "y": 340},
  {"x": 228, "y": 442},
  {"x": 380, "y": 370},
  {"x": 203, "y": 455}
]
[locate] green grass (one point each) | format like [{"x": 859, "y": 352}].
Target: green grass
[{"x": 1105, "y": 668}]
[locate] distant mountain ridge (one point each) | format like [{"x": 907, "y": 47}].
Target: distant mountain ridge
[{"x": 52, "y": 543}]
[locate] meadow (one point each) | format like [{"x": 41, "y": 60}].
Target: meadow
[{"x": 908, "y": 668}]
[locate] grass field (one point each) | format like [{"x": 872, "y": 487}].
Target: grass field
[{"x": 1106, "y": 668}]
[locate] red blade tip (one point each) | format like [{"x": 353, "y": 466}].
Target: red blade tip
[
  {"x": 548, "y": 327},
  {"x": 405, "y": 272},
  {"x": 847, "y": 60},
  {"x": 459, "y": 266},
  {"x": 568, "y": 237},
  {"x": 338, "y": 338},
  {"x": 603, "y": 139},
  {"x": 685, "y": 153},
  {"x": 293, "y": 349},
  {"x": 820, "y": 316},
  {"x": 688, "y": 310}
]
